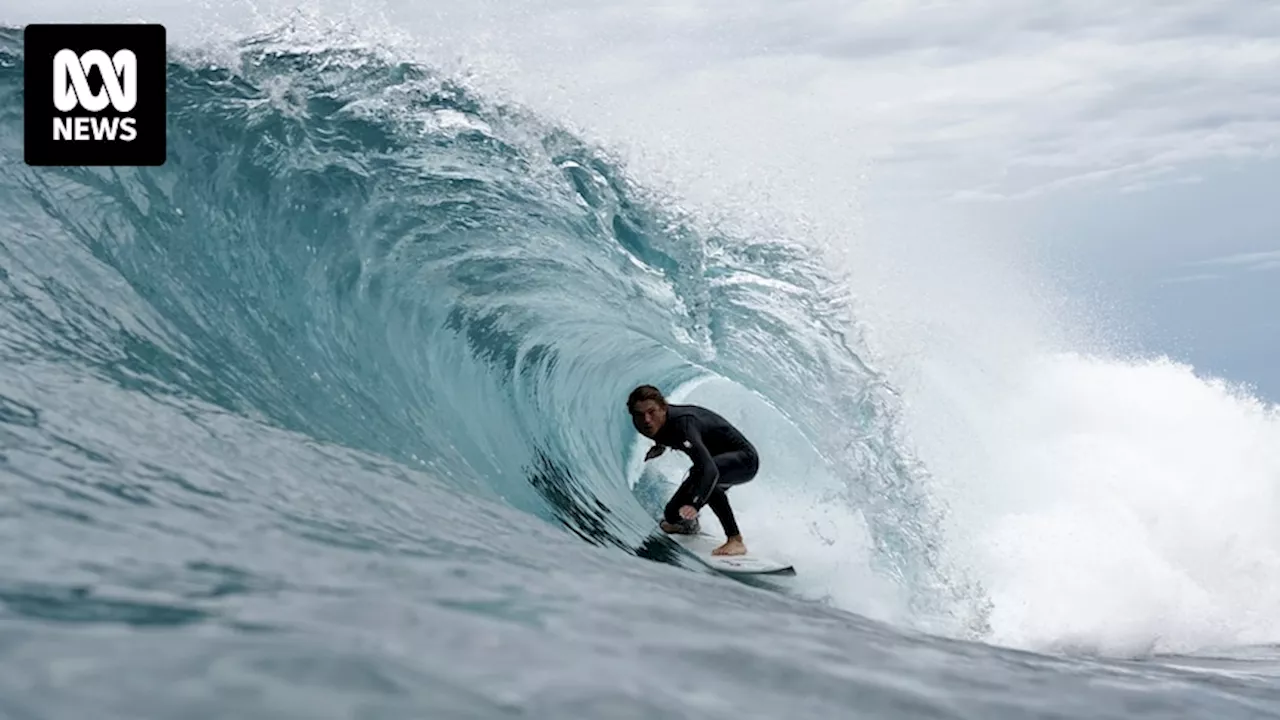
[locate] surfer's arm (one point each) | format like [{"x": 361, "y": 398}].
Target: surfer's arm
[{"x": 704, "y": 471}]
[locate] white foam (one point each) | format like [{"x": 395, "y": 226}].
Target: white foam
[{"x": 1123, "y": 507}]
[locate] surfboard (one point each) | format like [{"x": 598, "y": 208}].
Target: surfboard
[{"x": 753, "y": 563}]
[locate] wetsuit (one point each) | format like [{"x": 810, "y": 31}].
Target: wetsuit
[{"x": 721, "y": 457}]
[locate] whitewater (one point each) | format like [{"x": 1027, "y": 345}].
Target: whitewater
[{"x": 325, "y": 418}]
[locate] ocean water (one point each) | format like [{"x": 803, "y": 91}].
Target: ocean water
[{"x": 325, "y": 419}]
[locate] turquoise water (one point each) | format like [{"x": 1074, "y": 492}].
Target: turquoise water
[{"x": 324, "y": 418}]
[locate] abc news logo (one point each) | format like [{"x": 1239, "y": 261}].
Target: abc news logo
[
  {"x": 71, "y": 90},
  {"x": 95, "y": 94}
]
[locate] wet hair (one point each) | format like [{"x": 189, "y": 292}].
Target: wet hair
[{"x": 645, "y": 392}]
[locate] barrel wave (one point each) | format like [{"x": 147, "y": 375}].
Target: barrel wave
[
  {"x": 363, "y": 252},
  {"x": 351, "y": 367}
]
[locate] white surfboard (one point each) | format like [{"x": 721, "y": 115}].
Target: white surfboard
[{"x": 701, "y": 545}]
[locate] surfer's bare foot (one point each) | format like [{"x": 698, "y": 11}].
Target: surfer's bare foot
[{"x": 732, "y": 546}]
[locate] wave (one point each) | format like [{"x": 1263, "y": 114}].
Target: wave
[{"x": 372, "y": 254}]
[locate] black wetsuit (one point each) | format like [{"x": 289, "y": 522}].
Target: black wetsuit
[{"x": 721, "y": 457}]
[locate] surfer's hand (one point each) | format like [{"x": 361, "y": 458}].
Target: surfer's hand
[
  {"x": 655, "y": 451},
  {"x": 688, "y": 512}
]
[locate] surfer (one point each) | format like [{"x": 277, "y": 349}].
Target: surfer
[{"x": 721, "y": 455}]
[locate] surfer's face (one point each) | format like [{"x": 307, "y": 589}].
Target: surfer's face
[{"x": 648, "y": 417}]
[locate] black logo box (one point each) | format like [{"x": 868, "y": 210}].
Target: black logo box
[{"x": 42, "y": 42}]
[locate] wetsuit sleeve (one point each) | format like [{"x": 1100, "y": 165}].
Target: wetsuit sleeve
[{"x": 704, "y": 472}]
